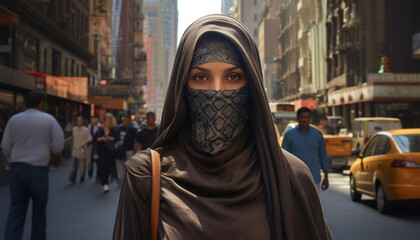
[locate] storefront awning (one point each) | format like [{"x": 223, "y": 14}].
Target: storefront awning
[
  {"x": 71, "y": 88},
  {"x": 379, "y": 88},
  {"x": 8, "y": 18}
]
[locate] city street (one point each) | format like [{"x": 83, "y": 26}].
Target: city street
[
  {"x": 348, "y": 220},
  {"x": 203, "y": 80},
  {"x": 82, "y": 211}
]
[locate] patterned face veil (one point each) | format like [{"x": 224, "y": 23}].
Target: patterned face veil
[{"x": 218, "y": 117}]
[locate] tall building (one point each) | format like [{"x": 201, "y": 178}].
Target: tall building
[
  {"x": 100, "y": 39},
  {"x": 288, "y": 60},
  {"x": 373, "y": 67},
  {"x": 121, "y": 89},
  {"x": 161, "y": 18},
  {"x": 300, "y": 43},
  {"x": 124, "y": 58},
  {"x": 140, "y": 60},
  {"x": 268, "y": 31},
  {"x": 318, "y": 63},
  {"x": 306, "y": 12},
  {"x": 226, "y": 6},
  {"x": 44, "y": 46},
  {"x": 247, "y": 11}
]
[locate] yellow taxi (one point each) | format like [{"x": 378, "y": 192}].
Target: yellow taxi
[
  {"x": 287, "y": 128},
  {"x": 388, "y": 168}
]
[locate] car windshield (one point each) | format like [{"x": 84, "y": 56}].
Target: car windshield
[
  {"x": 409, "y": 143},
  {"x": 376, "y": 126},
  {"x": 282, "y": 120}
]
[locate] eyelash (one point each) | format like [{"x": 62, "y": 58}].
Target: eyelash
[
  {"x": 199, "y": 76},
  {"x": 229, "y": 75},
  {"x": 237, "y": 75}
]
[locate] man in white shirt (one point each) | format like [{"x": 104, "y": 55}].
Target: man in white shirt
[
  {"x": 29, "y": 140},
  {"x": 80, "y": 138}
]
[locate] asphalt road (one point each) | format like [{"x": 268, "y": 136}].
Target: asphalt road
[
  {"x": 349, "y": 220},
  {"x": 82, "y": 211}
]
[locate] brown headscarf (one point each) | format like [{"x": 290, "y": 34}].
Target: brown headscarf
[{"x": 293, "y": 209}]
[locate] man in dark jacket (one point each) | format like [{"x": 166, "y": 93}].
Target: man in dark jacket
[
  {"x": 147, "y": 135},
  {"x": 127, "y": 135}
]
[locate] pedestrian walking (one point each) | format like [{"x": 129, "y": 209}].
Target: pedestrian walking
[
  {"x": 307, "y": 143},
  {"x": 148, "y": 134},
  {"x": 323, "y": 127},
  {"x": 127, "y": 135},
  {"x": 223, "y": 174},
  {"x": 93, "y": 153},
  {"x": 29, "y": 140},
  {"x": 106, "y": 137},
  {"x": 80, "y": 139}
]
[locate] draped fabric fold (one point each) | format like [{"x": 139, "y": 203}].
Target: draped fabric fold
[{"x": 253, "y": 190}]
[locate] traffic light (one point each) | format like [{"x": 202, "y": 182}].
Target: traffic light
[{"x": 385, "y": 65}]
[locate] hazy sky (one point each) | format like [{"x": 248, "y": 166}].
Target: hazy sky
[{"x": 191, "y": 10}]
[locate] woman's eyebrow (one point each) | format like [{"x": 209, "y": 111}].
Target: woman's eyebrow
[
  {"x": 231, "y": 69},
  {"x": 201, "y": 69}
]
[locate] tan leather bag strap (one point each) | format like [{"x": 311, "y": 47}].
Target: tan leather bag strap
[{"x": 154, "y": 220}]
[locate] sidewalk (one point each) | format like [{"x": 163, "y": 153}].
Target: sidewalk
[{"x": 80, "y": 211}]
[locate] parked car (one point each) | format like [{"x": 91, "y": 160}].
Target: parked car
[
  {"x": 335, "y": 123},
  {"x": 388, "y": 168},
  {"x": 365, "y": 127},
  {"x": 287, "y": 128},
  {"x": 339, "y": 149}
]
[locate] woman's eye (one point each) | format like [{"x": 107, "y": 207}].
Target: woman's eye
[
  {"x": 234, "y": 77},
  {"x": 200, "y": 77}
]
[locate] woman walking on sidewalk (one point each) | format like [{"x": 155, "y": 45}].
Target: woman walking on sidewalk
[
  {"x": 81, "y": 137},
  {"x": 106, "y": 137}
]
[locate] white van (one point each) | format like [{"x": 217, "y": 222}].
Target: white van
[{"x": 364, "y": 127}]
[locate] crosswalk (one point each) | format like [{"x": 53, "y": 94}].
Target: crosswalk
[{"x": 339, "y": 181}]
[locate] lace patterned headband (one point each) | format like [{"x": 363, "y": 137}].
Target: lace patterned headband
[{"x": 215, "y": 48}]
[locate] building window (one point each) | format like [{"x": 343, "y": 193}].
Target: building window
[
  {"x": 84, "y": 71},
  {"x": 6, "y": 44},
  {"x": 72, "y": 67},
  {"x": 45, "y": 59},
  {"x": 89, "y": 80},
  {"x": 56, "y": 63},
  {"x": 255, "y": 17},
  {"x": 66, "y": 72},
  {"x": 29, "y": 45},
  {"x": 255, "y": 2}
]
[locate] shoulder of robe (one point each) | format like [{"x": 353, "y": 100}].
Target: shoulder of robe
[
  {"x": 140, "y": 164},
  {"x": 300, "y": 175},
  {"x": 298, "y": 166}
]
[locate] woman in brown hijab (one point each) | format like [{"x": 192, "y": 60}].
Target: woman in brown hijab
[{"x": 223, "y": 174}]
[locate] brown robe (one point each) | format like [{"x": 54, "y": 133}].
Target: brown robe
[{"x": 253, "y": 190}]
